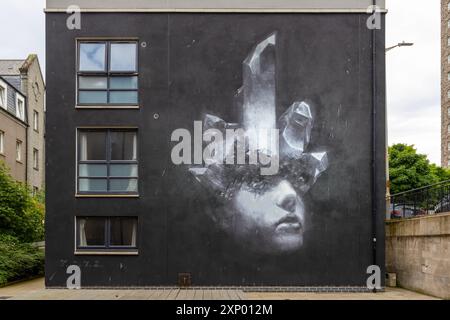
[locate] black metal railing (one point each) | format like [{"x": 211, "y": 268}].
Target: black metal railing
[{"x": 433, "y": 199}]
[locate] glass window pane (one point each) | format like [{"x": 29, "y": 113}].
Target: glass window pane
[
  {"x": 123, "y": 232},
  {"x": 93, "y": 83},
  {"x": 90, "y": 97},
  {"x": 93, "y": 170},
  {"x": 123, "y": 57},
  {"x": 123, "y": 170},
  {"x": 92, "y": 145},
  {"x": 124, "y": 97},
  {"x": 91, "y": 231},
  {"x": 92, "y": 56},
  {"x": 123, "y": 185},
  {"x": 123, "y": 82},
  {"x": 123, "y": 145},
  {"x": 92, "y": 185}
]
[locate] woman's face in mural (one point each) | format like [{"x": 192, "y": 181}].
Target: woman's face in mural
[{"x": 271, "y": 220}]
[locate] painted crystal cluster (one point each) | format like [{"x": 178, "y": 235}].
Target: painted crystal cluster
[{"x": 257, "y": 101}]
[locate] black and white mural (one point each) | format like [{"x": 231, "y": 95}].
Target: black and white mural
[{"x": 262, "y": 173}]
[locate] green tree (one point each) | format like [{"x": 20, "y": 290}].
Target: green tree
[
  {"x": 21, "y": 214},
  {"x": 409, "y": 170}
]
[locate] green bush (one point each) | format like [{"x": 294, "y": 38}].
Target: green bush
[
  {"x": 21, "y": 213},
  {"x": 19, "y": 260}
]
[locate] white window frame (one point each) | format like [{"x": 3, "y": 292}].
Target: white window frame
[
  {"x": 36, "y": 119},
  {"x": 4, "y": 104},
  {"x": 20, "y": 113},
  {"x": 2, "y": 142},
  {"x": 19, "y": 150},
  {"x": 35, "y": 159}
]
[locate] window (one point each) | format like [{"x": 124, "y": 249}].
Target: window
[
  {"x": 20, "y": 107},
  {"x": 448, "y": 24},
  {"x": 3, "y": 95},
  {"x": 448, "y": 41},
  {"x": 448, "y": 146},
  {"x": 448, "y": 112},
  {"x": 448, "y": 94},
  {"x": 106, "y": 232},
  {"x": 36, "y": 121},
  {"x": 448, "y": 59},
  {"x": 19, "y": 150},
  {"x": 108, "y": 73},
  {"x": 107, "y": 162},
  {"x": 36, "y": 159},
  {"x": 2, "y": 142},
  {"x": 448, "y": 128}
]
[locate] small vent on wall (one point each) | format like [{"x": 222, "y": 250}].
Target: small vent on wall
[{"x": 184, "y": 280}]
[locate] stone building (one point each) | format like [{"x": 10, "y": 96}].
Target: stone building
[{"x": 22, "y": 126}]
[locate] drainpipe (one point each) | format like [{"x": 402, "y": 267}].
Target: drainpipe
[{"x": 374, "y": 143}]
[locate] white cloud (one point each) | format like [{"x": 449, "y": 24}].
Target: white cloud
[
  {"x": 413, "y": 75},
  {"x": 22, "y": 29}
]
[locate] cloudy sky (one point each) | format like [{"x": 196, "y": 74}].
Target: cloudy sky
[{"x": 413, "y": 73}]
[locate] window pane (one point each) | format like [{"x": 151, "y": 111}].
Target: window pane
[
  {"x": 93, "y": 185},
  {"x": 123, "y": 170},
  {"x": 123, "y": 57},
  {"x": 123, "y": 232},
  {"x": 123, "y": 185},
  {"x": 92, "y": 56},
  {"x": 123, "y": 145},
  {"x": 129, "y": 97},
  {"x": 92, "y": 145},
  {"x": 90, "y": 97},
  {"x": 93, "y": 170},
  {"x": 123, "y": 82},
  {"x": 93, "y": 83},
  {"x": 91, "y": 231}
]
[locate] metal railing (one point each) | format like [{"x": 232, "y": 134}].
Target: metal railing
[{"x": 433, "y": 199}]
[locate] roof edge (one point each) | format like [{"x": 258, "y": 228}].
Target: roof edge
[{"x": 215, "y": 5}]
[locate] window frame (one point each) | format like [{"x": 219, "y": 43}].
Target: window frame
[
  {"x": 35, "y": 121},
  {"x": 4, "y": 104},
  {"x": 19, "y": 144},
  {"x": 35, "y": 159},
  {"x": 107, "y": 235},
  {"x": 21, "y": 99},
  {"x": 108, "y": 162},
  {"x": 2, "y": 142},
  {"x": 107, "y": 73}
]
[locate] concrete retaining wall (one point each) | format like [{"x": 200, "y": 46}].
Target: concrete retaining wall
[{"x": 418, "y": 250}]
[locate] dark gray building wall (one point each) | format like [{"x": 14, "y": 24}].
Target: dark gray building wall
[{"x": 192, "y": 65}]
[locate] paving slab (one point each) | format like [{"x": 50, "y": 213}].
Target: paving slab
[{"x": 35, "y": 290}]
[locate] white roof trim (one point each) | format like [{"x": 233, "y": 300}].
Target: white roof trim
[{"x": 215, "y": 5}]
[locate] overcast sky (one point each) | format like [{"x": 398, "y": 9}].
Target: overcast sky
[{"x": 413, "y": 73}]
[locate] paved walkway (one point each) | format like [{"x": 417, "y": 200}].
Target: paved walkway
[{"x": 34, "y": 290}]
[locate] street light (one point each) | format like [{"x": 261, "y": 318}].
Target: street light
[
  {"x": 401, "y": 44},
  {"x": 388, "y": 182}
]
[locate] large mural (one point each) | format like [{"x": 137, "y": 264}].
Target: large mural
[{"x": 261, "y": 190}]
